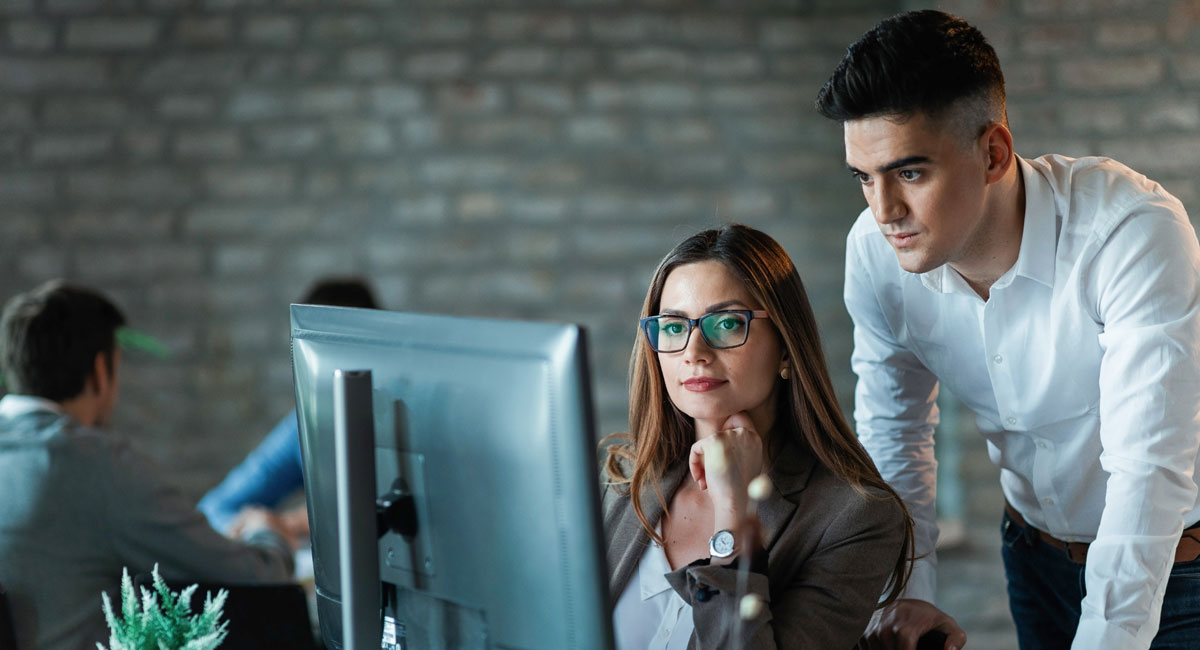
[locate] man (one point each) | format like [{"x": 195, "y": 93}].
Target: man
[
  {"x": 272, "y": 472},
  {"x": 1059, "y": 299},
  {"x": 79, "y": 503}
]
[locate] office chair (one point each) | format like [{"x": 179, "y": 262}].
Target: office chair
[{"x": 261, "y": 617}]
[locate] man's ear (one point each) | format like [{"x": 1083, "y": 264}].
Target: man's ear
[
  {"x": 999, "y": 143},
  {"x": 99, "y": 378}
]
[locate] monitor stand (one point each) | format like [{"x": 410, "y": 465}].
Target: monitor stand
[{"x": 413, "y": 619}]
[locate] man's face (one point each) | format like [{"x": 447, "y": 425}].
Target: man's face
[{"x": 925, "y": 186}]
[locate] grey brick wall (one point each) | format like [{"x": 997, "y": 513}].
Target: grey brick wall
[{"x": 203, "y": 161}]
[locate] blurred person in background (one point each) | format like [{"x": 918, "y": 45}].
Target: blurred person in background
[
  {"x": 80, "y": 503},
  {"x": 272, "y": 472}
]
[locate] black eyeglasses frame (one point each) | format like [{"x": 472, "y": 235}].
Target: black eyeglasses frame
[{"x": 694, "y": 324}]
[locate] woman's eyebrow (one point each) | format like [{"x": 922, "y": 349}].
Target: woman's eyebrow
[
  {"x": 726, "y": 305},
  {"x": 711, "y": 308}
]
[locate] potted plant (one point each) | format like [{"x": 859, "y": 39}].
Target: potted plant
[{"x": 163, "y": 620}]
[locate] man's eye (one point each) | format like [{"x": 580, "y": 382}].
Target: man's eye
[
  {"x": 861, "y": 177},
  {"x": 910, "y": 174}
]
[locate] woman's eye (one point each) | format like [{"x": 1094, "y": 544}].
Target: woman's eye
[
  {"x": 729, "y": 323},
  {"x": 672, "y": 328}
]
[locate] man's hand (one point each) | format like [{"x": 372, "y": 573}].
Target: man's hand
[
  {"x": 900, "y": 625},
  {"x": 252, "y": 519},
  {"x": 295, "y": 521}
]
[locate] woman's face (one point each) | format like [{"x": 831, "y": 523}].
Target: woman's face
[{"x": 712, "y": 384}]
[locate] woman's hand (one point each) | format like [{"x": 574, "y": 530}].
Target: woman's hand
[{"x": 724, "y": 464}]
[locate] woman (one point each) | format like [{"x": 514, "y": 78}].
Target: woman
[{"x": 749, "y": 389}]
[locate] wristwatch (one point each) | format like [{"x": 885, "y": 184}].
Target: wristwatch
[{"x": 720, "y": 545}]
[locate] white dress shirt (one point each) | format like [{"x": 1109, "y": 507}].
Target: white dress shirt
[
  {"x": 1083, "y": 368},
  {"x": 13, "y": 405},
  {"x": 650, "y": 615}
]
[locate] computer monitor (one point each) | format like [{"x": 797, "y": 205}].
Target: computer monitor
[{"x": 483, "y": 429}]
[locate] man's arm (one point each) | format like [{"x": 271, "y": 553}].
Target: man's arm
[
  {"x": 896, "y": 412},
  {"x": 267, "y": 476},
  {"x": 151, "y": 522},
  {"x": 1144, "y": 286}
]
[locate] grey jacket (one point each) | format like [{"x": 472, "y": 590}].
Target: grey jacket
[
  {"x": 76, "y": 506},
  {"x": 830, "y": 550}
]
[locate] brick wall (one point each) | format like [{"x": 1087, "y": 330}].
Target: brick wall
[
  {"x": 204, "y": 161},
  {"x": 1118, "y": 78}
]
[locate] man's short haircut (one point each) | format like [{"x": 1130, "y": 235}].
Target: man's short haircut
[
  {"x": 919, "y": 62},
  {"x": 51, "y": 336},
  {"x": 341, "y": 292}
]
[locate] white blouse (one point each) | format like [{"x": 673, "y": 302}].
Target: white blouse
[{"x": 649, "y": 614}]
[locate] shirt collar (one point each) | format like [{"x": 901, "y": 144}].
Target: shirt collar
[
  {"x": 653, "y": 570},
  {"x": 1039, "y": 236},
  {"x": 1039, "y": 239},
  {"x": 18, "y": 405}
]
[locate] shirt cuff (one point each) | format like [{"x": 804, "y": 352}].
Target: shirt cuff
[
  {"x": 922, "y": 583},
  {"x": 1097, "y": 634},
  {"x": 268, "y": 539}
]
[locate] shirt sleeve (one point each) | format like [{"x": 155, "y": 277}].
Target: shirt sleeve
[
  {"x": 152, "y": 523},
  {"x": 1143, "y": 286},
  {"x": 268, "y": 475},
  {"x": 895, "y": 412}
]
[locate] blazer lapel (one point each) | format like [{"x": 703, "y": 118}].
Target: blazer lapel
[
  {"x": 789, "y": 474},
  {"x": 629, "y": 538}
]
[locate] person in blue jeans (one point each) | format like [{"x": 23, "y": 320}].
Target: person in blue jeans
[
  {"x": 272, "y": 472},
  {"x": 1059, "y": 299}
]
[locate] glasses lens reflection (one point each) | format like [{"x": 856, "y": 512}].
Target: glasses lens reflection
[{"x": 722, "y": 329}]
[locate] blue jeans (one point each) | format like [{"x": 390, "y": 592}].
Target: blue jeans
[{"x": 1045, "y": 589}]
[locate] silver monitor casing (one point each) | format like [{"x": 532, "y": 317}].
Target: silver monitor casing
[{"x": 488, "y": 424}]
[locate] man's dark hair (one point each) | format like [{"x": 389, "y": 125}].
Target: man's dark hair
[
  {"x": 51, "y": 336},
  {"x": 919, "y": 62},
  {"x": 341, "y": 292}
]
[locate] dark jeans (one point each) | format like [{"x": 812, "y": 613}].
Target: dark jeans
[{"x": 1045, "y": 589}]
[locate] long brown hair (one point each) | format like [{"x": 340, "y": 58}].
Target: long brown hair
[{"x": 808, "y": 413}]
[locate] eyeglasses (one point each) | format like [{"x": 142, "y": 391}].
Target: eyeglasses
[{"x": 721, "y": 330}]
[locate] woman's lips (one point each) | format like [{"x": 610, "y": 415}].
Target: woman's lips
[{"x": 703, "y": 384}]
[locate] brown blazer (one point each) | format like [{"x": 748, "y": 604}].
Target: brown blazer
[{"x": 830, "y": 551}]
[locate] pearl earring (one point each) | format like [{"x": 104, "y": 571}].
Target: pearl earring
[{"x": 783, "y": 374}]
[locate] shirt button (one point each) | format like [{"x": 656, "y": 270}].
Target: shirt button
[
  {"x": 998, "y": 359},
  {"x": 1011, "y": 420},
  {"x": 1042, "y": 445},
  {"x": 1048, "y": 501}
]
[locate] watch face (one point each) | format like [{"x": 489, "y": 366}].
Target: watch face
[{"x": 721, "y": 544}]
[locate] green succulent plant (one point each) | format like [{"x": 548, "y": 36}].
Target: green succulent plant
[{"x": 164, "y": 620}]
